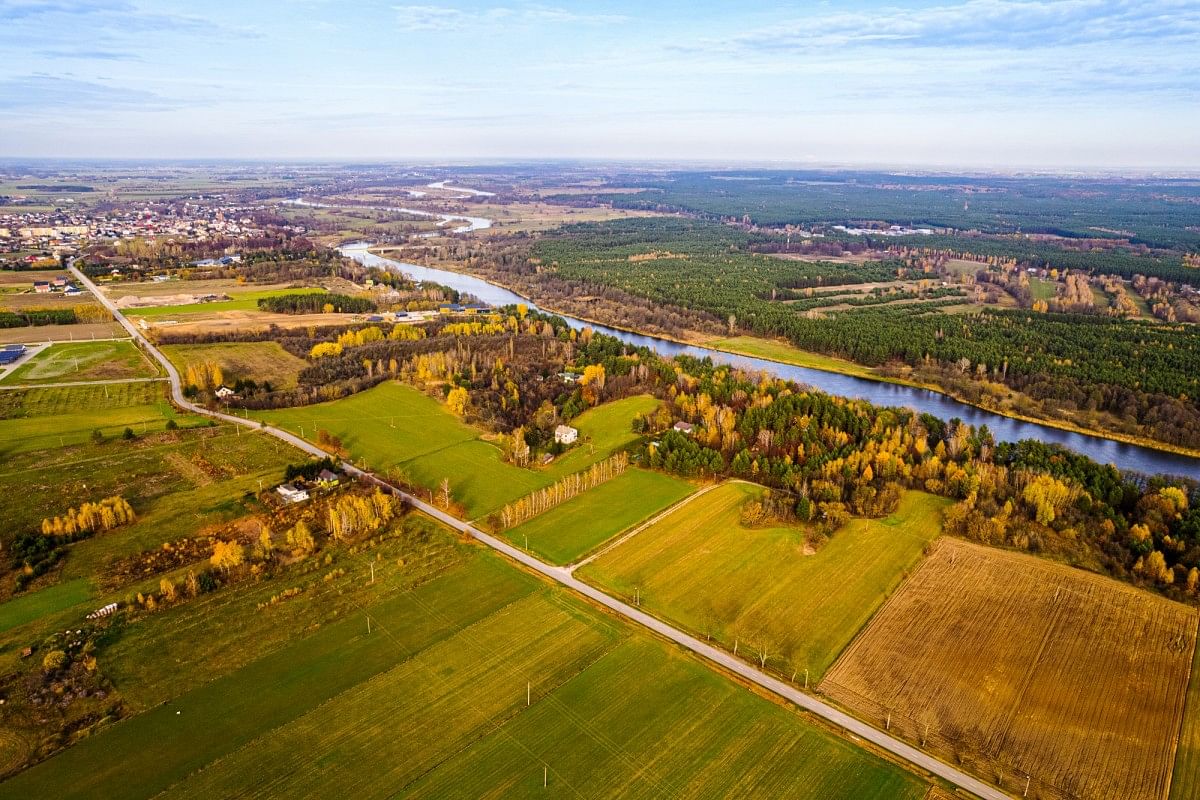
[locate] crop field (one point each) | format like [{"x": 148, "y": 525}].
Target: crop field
[
  {"x": 35, "y": 419},
  {"x": 433, "y": 702},
  {"x": 258, "y": 361},
  {"x": 568, "y": 531},
  {"x": 1021, "y": 667},
  {"x": 756, "y": 589},
  {"x": 84, "y": 361},
  {"x": 396, "y": 429},
  {"x": 246, "y": 301}
]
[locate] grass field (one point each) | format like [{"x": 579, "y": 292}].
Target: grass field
[
  {"x": 81, "y": 332},
  {"x": 1020, "y": 666},
  {"x": 1186, "y": 776},
  {"x": 394, "y": 427},
  {"x": 258, "y": 361},
  {"x": 36, "y": 419},
  {"x": 42, "y": 603},
  {"x": 787, "y": 354},
  {"x": 245, "y": 301},
  {"x": 755, "y": 588},
  {"x": 1042, "y": 289},
  {"x": 84, "y": 361},
  {"x": 568, "y": 531},
  {"x": 433, "y": 703}
]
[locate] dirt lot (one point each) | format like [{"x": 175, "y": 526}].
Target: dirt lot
[
  {"x": 61, "y": 333},
  {"x": 245, "y": 320},
  {"x": 1015, "y": 666}
]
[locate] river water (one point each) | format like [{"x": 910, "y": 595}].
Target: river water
[{"x": 1005, "y": 429}]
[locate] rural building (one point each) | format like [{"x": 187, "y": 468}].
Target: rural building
[
  {"x": 565, "y": 434},
  {"x": 224, "y": 392},
  {"x": 291, "y": 494},
  {"x": 60, "y": 281},
  {"x": 41, "y": 287},
  {"x": 327, "y": 478},
  {"x": 569, "y": 377},
  {"x": 684, "y": 427}
]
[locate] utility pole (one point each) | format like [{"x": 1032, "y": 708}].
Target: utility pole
[
  {"x": 528, "y": 694},
  {"x": 368, "y": 625},
  {"x": 372, "y": 574},
  {"x": 545, "y": 776},
  {"x": 805, "y": 678},
  {"x": 1026, "y": 792}
]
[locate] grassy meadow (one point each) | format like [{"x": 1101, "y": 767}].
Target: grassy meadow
[
  {"x": 257, "y": 361},
  {"x": 396, "y": 429},
  {"x": 755, "y": 587},
  {"x": 242, "y": 301},
  {"x": 570, "y": 530},
  {"x": 432, "y": 703},
  {"x": 84, "y": 361}
]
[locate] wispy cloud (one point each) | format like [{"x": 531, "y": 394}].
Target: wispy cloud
[
  {"x": 51, "y": 94},
  {"x": 89, "y": 55},
  {"x": 438, "y": 18}
]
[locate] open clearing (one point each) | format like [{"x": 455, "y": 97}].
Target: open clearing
[
  {"x": 785, "y": 353},
  {"x": 244, "y": 301},
  {"x": 571, "y": 529},
  {"x": 81, "y": 332},
  {"x": 396, "y": 429},
  {"x": 257, "y": 361},
  {"x": 755, "y": 588},
  {"x": 35, "y": 419},
  {"x": 1023, "y": 667},
  {"x": 84, "y": 361}
]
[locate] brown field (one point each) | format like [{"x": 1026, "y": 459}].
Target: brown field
[
  {"x": 1015, "y": 667},
  {"x": 537, "y": 216},
  {"x": 23, "y": 279},
  {"x": 27, "y": 300},
  {"x": 61, "y": 333},
  {"x": 241, "y": 321}
]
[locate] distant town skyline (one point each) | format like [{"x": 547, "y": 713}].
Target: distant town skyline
[{"x": 984, "y": 84}]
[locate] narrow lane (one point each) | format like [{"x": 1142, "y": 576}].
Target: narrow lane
[{"x": 563, "y": 576}]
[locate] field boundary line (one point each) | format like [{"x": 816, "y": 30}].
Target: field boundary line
[
  {"x": 639, "y": 527},
  {"x": 15, "y": 387}
]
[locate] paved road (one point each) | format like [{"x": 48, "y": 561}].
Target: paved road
[{"x": 563, "y": 576}]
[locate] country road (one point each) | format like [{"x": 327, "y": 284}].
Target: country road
[{"x": 563, "y": 576}]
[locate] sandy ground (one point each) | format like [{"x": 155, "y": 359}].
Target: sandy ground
[
  {"x": 61, "y": 333},
  {"x": 246, "y": 320}
]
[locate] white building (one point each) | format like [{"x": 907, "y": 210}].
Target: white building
[
  {"x": 291, "y": 494},
  {"x": 565, "y": 434}
]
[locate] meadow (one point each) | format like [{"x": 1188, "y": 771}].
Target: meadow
[
  {"x": 242, "y": 301},
  {"x": 257, "y": 361},
  {"x": 1021, "y": 667},
  {"x": 570, "y": 530},
  {"x": 756, "y": 589},
  {"x": 36, "y": 419},
  {"x": 84, "y": 361},
  {"x": 397, "y": 430},
  {"x": 433, "y": 702}
]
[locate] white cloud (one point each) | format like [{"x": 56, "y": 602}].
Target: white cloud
[{"x": 451, "y": 18}]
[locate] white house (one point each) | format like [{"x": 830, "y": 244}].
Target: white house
[
  {"x": 224, "y": 392},
  {"x": 565, "y": 434},
  {"x": 291, "y": 494},
  {"x": 683, "y": 427}
]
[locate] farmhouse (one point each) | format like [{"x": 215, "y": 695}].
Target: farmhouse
[
  {"x": 41, "y": 287},
  {"x": 327, "y": 478},
  {"x": 684, "y": 427},
  {"x": 291, "y": 494},
  {"x": 565, "y": 434}
]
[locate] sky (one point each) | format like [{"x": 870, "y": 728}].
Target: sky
[{"x": 992, "y": 84}]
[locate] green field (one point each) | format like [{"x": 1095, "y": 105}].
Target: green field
[
  {"x": 242, "y": 301},
  {"x": 433, "y": 703},
  {"x": 36, "y": 419},
  {"x": 756, "y": 588},
  {"x": 42, "y": 603},
  {"x": 1042, "y": 289},
  {"x": 785, "y": 353},
  {"x": 84, "y": 361},
  {"x": 1186, "y": 775},
  {"x": 568, "y": 531},
  {"x": 257, "y": 361},
  {"x": 396, "y": 429}
]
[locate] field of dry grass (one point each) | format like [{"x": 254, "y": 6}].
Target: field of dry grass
[
  {"x": 1017, "y": 667},
  {"x": 61, "y": 333}
]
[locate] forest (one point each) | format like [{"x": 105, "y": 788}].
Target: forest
[{"x": 1147, "y": 374}]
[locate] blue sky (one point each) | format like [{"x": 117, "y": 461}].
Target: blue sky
[{"x": 978, "y": 83}]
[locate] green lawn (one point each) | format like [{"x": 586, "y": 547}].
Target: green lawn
[
  {"x": 51, "y": 600},
  {"x": 36, "y": 419},
  {"x": 84, "y": 361},
  {"x": 257, "y": 361},
  {"x": 242, "y": 301},
  {"x": 565, "y": 533},
  {"x": 756, "y": 588},
  {"x": 394, "y": 427},
  {"x": 1042, "y": 289}
]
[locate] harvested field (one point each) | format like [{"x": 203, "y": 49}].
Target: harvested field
[
  {"x": 1017, "y": 666},
  {"x": 213, "y": 320},
  {"x": 62, "y": 333}
]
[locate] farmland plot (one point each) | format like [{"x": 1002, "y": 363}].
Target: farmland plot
[{"x": 1020, "y": 667}]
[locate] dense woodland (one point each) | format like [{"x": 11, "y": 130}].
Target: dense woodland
[{"x": 1145, "y": 374}]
